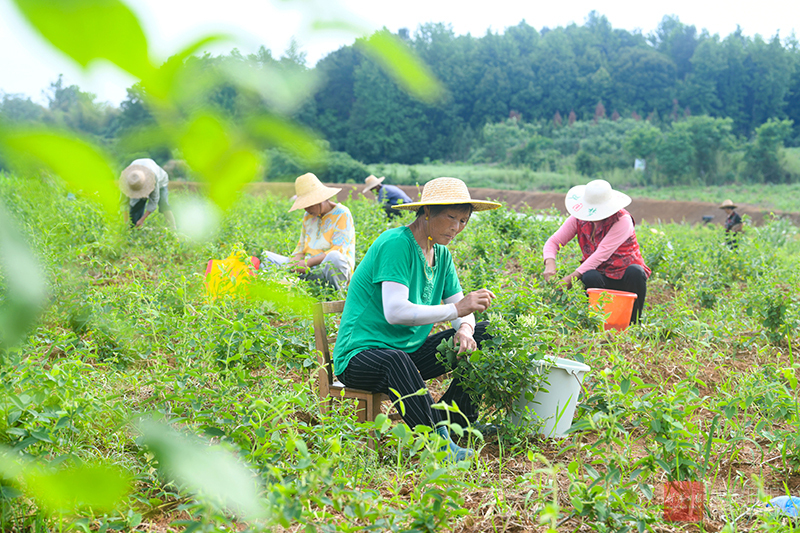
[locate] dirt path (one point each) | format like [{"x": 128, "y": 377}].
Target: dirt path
[{"x": 652, "y": 211}]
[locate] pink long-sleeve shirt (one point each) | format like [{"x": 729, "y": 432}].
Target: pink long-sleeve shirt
[{"x": 619, "y": 233}]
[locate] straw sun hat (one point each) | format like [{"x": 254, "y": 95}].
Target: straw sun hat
[
  {"x": 372, "y": 182},
  {"x": 447, "y": 191},
  {"x": 595, "y": 201},
  {"x": 310, "y": 191},
  {"x": 137, "y": 181},
  {"x": 727, "y": 203}
]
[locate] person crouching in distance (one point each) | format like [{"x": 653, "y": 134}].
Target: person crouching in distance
[
  {"x": 607, "y": 239},
  {"x": 388, "y": 195},
  {"x": 145, "y": 185}
]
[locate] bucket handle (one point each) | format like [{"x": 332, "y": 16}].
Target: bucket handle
[
  {"x": 580, "y": 383},
  {"x": 573, "y": 374}
]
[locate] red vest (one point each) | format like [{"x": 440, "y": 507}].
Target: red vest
[{"x": 627, "y": 254}]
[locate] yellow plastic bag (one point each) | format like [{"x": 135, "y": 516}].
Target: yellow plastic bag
[{"x": 230, "y": 275}]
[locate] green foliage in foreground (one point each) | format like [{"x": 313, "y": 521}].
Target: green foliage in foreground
[{"x": 705, "y": 388}]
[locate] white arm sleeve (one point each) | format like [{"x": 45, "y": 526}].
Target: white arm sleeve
[
  {"x": 399, "y": 311},
  {"x": 456, "y": 322}
]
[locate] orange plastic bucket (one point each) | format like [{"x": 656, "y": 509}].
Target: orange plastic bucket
[{"x": 619, "y": 304}]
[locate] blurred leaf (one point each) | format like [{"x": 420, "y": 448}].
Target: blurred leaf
[
  {"x": 87, "y": 30},
  {"x": 282, "y": 297},
  {"x": 10, "y": 468},
  {"x": 83, "y": 166},
  {"x": 101, "y": 488},
  {"x": 143, "y": 139},
  {"x": 338, "y": 25},
  {"x": 205, "y": 470},
  {"x": 197, "y": 218},
  {"x": 284, "y": 90},
  {"x": 24, "y": 288},
  {"x": 400, "y": 63},
  {"x": 164, "y": 84},
  {"x": 226, "y": 164},
  {"x": 287, "y": 135}
]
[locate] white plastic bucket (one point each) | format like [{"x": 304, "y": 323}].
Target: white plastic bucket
[{"x": 554, "y": 403}]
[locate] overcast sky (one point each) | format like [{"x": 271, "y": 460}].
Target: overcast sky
[{"x": 28, "y": 66}]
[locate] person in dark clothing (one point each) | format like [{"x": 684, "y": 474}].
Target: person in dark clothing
[
  {"x": 388, "y": 195},
  {"x": 733, "y": 223},
  {"x": 607, "y": 239}
]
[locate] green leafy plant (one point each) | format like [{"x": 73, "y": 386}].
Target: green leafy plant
[
  {"x": 502, "y": 371},
  {"x": 681, "y": 451}
]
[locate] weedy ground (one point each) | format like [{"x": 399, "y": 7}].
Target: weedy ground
[{"x": 705, "y": 388}]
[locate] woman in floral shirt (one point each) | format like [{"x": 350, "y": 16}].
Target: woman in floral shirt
[{"x": 326, "y": 250}]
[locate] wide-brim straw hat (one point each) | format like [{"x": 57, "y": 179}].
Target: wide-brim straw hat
[
  {"x": 728, "y": 203},
  {"x": 137, "y": 181},
  {"x": 595, "y": 201},
  {"x": 372, "y": 182},
  {"x": 447, "y": 191},
  {"x": 310, "y": 191}
]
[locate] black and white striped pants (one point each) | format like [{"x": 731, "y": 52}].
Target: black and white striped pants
[{"x": 379, "y": 370}]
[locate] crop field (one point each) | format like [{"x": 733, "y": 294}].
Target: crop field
[
  {"x": 208, "y": 409},
  {"x": 770, "y": 196}
]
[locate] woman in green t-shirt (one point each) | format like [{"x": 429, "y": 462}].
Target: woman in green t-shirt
[{"x": 395, "y": 297}]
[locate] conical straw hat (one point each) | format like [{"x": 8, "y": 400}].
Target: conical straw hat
[
  {"x": 727, "y": 203},
  {"x": 310, "y": 191},
  {"x": 372, "y": 182},
  {"x": 137, "y": 181},
  {"x": 447, "y": 191}
]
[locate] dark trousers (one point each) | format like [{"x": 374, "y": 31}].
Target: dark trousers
[
  {"x": 634, "y": 280},
  {"x": 391, "y": 213},
  {"x": 137, "y": 210},
  {"x": 732, "y": 239},
  {"x": 379, "y": 370}
]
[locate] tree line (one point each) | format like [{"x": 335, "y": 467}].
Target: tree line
[
  {"x": 561, "y": 75},
  {"x": 591, "y": 93}
]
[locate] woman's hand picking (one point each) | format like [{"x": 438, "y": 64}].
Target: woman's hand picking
[
  {"x": 464, "y": 339},
  {"x": 476, "y": 301}
]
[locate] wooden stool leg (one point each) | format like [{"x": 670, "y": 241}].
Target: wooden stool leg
[
  {"x": 376, "y": 408},
  {"x": 373, "y": 409},
  {"x": 361, "y": 410}
]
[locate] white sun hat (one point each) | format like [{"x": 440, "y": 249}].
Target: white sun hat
[
  {"x": 372, "y": 182},
  {"x": 310, "y": 191},
  {"x": 595, "y": 201},
  {"x": 137, "y": 181},
  {"x": 447, "y": 191}
]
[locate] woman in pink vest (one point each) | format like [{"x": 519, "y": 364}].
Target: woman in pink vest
[{"x": 607, "y": 239}]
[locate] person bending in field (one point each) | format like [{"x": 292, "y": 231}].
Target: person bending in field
[
  {"x": 733, "y": 223},
  {"x": 326, "y": 251},
  {"x": 144, "y": 184},
  {"x": 394, "y": 299},
  {"x": 607, "y": 239},
  {"x": 388, "y": 195}
]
